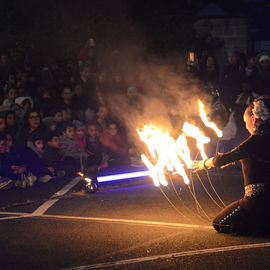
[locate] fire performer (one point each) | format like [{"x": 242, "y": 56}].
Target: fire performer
[{"x": 252, "y": 212}]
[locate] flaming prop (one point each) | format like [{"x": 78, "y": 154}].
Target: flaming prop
[{"x": 169, "y": 155}]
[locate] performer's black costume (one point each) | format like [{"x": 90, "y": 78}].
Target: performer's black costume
[{"x": 253, "y": 211}]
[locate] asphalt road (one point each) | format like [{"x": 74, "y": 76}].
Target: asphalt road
[{"x": 130, "y": 224}]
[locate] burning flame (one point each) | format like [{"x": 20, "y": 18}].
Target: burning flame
[
  {"x": 168, "y": 154},
  {"x": 206, "y": 122},
  {"x": 88, "y": 180}
]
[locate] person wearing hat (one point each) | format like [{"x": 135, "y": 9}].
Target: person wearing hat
[{"x": 261, "y": 77}]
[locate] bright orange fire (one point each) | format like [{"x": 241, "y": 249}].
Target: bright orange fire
[{"x": 167, "y": 154}]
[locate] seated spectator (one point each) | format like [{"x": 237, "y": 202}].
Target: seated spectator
[
  {"x": 50, "y": 124},
  {"x": 114, "y": 145},
  {"x": 93, "y": 145},
  {"x": 70, "y": 150},
  {"x": 102, "y": 118},
  {"x": 52, "y": 155},
  {"x": 79, "y": 100},
  {"x": 2, "y": 123},
  {"x": 30, "y": 125},
  {"x": 26, "y": 104},
  {"x": 14, "y": 165},
  {"x": 33, "y": 158},
  {"x": 79, "y": 135},
  {"x": 5, "y": 182},
  {"x": 66, "y": 97},
  {"x": 10, "y": 97},
  {"x": 11, "y": 123},
  {"x": 10, "y": 83},
  {"x": 44, "y": 102}
]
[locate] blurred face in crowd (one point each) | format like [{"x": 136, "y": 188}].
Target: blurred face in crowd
[
  {"x": 78, "y": 90},
  {"x": 118, "y": 77},
  {"x": 12, "y": 94},
  {"x": 58, "y": 117},
  {"x": 210, "y": 62},
  {"x": 265, "y": 65},
  {"x": 2, "y": 124},
  {"x": 52, "y": 126},
  {"x": 4, "y": 60},
  {"x": 102, "y": 113},
  {"x": 2, "y": 146},
  {"x": 252, "y": 62},
  {"x": 55, "y": 143},
  {"x": 69, "y": 132},
  {"x": 11, "y": 79},
  {"x": 39, "y": 144},
  {"x": 100, "y": 98},
  {"x": 232, "y": 58},
  {"x": 113, "y": 129},
  {"x": 10, "y": 120},
  {"x": 46, "y": 94},
  {"x": 79, "y": 132},
  {"x": 34, "y": 120},
  {"x": 85, "y": 73},
  {"x": 9, "y": 141},
  {"x": 67, "y": 94},
  {"x": 64, "y": 115},
  {"x": 26, "y": 104},
  {"x": 92, "y": 131}
]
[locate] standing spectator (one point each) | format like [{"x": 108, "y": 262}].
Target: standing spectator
[
  {"x": 209, "y": 71},
  {"x": 230, "y": 79},
  {"x": 102, "y": 118},
  {"x": 261, "y": 77},
  {"x": 251, "y": 65}
]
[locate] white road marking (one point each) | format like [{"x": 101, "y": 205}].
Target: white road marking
[
  {"x": 171, "y": 255},
  {"x": 113, "y": 220},
  {"x": 45, "y": 206},
  {"x": 130, "y": 221},
  {"x": 15, "y": 217}
]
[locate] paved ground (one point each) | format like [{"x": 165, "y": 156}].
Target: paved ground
[{"x": 125, "y": 225}]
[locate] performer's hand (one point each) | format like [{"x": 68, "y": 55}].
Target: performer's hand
[{"x": 197, "y": 165}]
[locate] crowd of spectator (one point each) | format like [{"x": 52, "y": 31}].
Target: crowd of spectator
[
  {"x": 55, "y": 118},
  {"x": 55, "y": 122},
  {"x": 233, "y": 87}
]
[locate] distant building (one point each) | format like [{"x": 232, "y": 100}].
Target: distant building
[{"x": 243, "y": 25}]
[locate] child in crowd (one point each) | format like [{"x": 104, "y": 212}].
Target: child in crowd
[
  {"x": 33, "y": 158},
  {"x": 70, "y": 150},
  {"x": 10, "y": 97},
  {"x": 79, "y": 136},
  {"x": 11, "y": 125},
  {"x": 50, "y": 124},
  {"x": 93, "y": 146},
  {"x": 102, "y": 118},
  {"x": 114, "y": 145},
  {"x": 52, "y": 155},
  {"x": 5, "y": 182}
]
